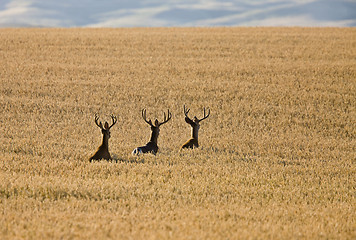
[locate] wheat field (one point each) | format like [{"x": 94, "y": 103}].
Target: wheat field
[{"x": 277, "y": 155}]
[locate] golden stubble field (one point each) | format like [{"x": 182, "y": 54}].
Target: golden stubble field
[{"x": 277, "y": 155}]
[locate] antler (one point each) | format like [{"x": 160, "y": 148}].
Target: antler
[
  {"x": 186, "y": 111},
  {"x": 114, "y": 120},
  {"x": 96, "y": 121},
  {"x": 144, "y": 117},
  {"x": 205, "y": 116},
  {"x": 166, "y": 118},
  {"x": 169, "y": 116}
]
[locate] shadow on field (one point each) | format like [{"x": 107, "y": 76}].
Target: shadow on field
[
  {"x": 289, "y": 163},
  {"x": 236, "y": 154},
  {"x": 197, "y": 155},
  {"x": 137, "y": 160},
  {"x": 117, "y": 159},
  {"x": 225, "y": 154}
]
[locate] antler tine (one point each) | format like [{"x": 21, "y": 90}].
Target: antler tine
[
  {"x": 96, "y": 121},
  {"x": 186, "y": 111},
  {"x": 114, "y": 120},
  {"x": 144, "y": 117},
  {"x": 205, "y": 116},
  {"x": 169, "y": 116}
]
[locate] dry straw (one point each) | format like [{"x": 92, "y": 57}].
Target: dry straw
[{"x": 276, "y": 156}]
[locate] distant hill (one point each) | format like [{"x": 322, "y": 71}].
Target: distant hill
[{"x": 153, "y": 13}]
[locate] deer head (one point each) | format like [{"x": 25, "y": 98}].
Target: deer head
[
  {"x": 195, "y": 124},
  {"x": 106, "y": 129},
  {"x": 103, "y": 150},
  {"x": 151, "y": 146},
  {"x": 157, "y": 124}
]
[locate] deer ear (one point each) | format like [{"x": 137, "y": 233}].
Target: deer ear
[
  {"x": 106, "y": 125},
  {"x": 156, "y": 123},
  {"x": 189, "y": 121}
]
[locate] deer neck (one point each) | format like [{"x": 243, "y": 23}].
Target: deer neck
[
  {"x": 154, "y": 136},
  {"x": 105, "y": 143},
  {"x": 195, "y": 132}
]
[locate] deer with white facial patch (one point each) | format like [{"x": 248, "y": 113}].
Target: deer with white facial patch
[
  {"x": 151, "y": 146},
  {"x": 103, "y": 150},
  {"x": 195, "y": 124}
]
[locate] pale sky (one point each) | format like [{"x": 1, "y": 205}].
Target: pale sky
[{"x": 162, "y": 13}]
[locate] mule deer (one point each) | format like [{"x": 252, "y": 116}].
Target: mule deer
[
  {"x": 151, "y": 146},
  {"x": 193, "y": 142},
  {"x": 103, "y": 150}
]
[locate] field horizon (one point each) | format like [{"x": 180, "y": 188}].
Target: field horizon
[{"x": 276, "y": 157}]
